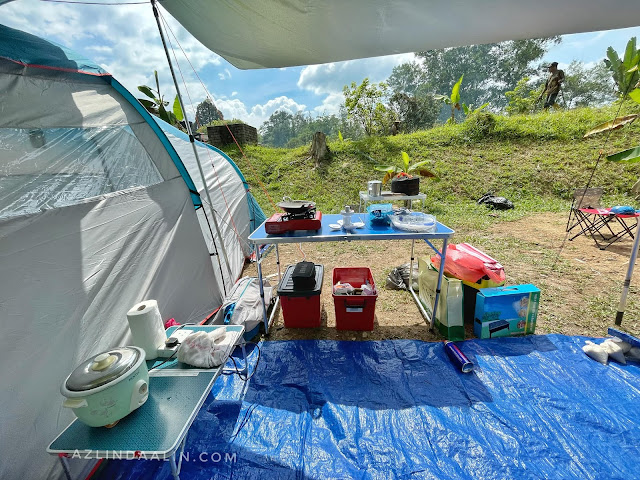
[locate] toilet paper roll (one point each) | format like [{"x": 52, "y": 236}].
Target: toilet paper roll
[{"x": 146, "y": 327}]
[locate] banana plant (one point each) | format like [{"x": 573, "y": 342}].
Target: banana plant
[
  {"x": 453, "y": 100},
  {"x": 624, "y": 70},
  {"x": 157, "y": 104},
  {"x": 631, "y": 155},
  {"x": 406, "y": 170},
  {"x": 469, "y": 110}
]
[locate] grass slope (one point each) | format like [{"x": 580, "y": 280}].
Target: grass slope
[{"x": 534, "y": 160}]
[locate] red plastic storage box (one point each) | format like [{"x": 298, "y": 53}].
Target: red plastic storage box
[
  {"x": 354, "y": 312},
  {"x": 300, "y": 305}
]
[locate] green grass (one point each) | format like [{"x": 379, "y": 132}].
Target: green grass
[{"x": 536, "y": 161}]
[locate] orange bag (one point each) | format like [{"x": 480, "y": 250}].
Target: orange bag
[{"x": 467, "y": 263}]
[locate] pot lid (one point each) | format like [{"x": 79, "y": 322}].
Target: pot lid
[
  {"x": 295, "y": 206},
  {"x": 102, "y": 368}
]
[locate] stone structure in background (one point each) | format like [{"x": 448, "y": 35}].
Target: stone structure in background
[{"x": 244, "y": 134}]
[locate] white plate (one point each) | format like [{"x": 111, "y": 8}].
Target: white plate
[{"x": 335, "y": 226}]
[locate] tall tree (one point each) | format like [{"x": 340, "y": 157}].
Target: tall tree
[
  {"x": 406, "y": 78},
  {"x": 415, "y": 112},
  {"x": 207, "y": 112},
  {"x": 587, "y": 87},
  {"x": 489, "y": 70},
  {"x": 278, "y": 129},
  {"x": 365, "y": 104}
]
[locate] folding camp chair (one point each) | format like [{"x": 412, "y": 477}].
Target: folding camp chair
[
  {"x": 605, "y": 226},
  {"x": 582, "y": 198}
]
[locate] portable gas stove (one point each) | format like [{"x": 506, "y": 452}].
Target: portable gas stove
[
  {"x": 299, "y": 215},
  {"x": 289, "y": 222}
]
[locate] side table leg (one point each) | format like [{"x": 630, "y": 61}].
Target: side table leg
[
  {"x": 175, "y": 468},
  {"x": 65, "y": 466},
  {"x": 245, "y": 370}
]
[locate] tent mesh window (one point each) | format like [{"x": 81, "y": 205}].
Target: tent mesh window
[{"x": 44, "y": 168}]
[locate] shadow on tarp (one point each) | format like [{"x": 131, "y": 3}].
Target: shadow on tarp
[
  {"x": 377, "y": 375},
  {"x": 554, "y": 413}
]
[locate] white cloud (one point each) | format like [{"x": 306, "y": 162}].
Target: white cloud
[
  {"x": 233, "y": 94},
  {"x": 123, "y": 39},
  {"x": 330, "y": 78},
  {"x": 256, "y": 115},
  {"x": 225, "y": 74},
  {"x": 330, "y": 105}
]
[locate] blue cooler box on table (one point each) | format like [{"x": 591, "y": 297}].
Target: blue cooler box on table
[{"x": 506, "y": 311}]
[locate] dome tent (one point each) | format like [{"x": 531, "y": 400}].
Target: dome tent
[{"x": 96, "y": 214}]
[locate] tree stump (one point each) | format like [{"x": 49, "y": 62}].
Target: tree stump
[{"x": 319, "y": 149}]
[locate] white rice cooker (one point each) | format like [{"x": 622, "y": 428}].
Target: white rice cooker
[{"x": 108, "y": 386}]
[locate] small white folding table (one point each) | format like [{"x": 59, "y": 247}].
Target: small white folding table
[{"x": 158, "y": 429}]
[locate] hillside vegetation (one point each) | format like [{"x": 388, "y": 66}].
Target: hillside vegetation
[{"x": 536, "y": 161}]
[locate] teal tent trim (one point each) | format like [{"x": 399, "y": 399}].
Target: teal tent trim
[
  {"x": 195, "y": 196},
  {"x": 256, "y": 216},
  {"x": 31, "y": 51}
]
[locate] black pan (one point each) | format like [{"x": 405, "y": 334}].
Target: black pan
[{"x": 296, "y": 206}]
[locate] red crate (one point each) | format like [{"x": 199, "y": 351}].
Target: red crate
[
  {"x": 354, "y": 312},
  {"x": 301, "y": 312},
  {"x": 300, "y": 306}
]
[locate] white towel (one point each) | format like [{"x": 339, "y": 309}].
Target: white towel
[
  {"x": 205, "y": 350},
  {"x": 596, "y": 352},
  {"x": 615, "y": 351}
]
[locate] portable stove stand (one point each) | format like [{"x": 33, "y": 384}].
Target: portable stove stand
[{"x": 326, "y": 234}]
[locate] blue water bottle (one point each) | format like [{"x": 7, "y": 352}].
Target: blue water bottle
[{"x": 458, "y": 358}]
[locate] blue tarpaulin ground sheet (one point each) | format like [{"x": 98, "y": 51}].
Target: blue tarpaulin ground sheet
[{"x": 535, "y": 407}]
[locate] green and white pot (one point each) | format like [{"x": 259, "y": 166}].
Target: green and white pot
[{"x": 108, "y": 386}]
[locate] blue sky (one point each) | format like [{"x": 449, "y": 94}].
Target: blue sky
[{"x": 124, "y": 40}]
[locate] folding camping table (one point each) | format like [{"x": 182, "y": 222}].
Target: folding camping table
[
  {"x": 158, "y": 429},
  {"x": 326, "y": 234},
  {"x": 604, "y": 226}
]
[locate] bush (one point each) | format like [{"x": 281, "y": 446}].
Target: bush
[{"x": 479, "y": 125}]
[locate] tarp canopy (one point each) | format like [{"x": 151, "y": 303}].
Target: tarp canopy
[
  {"x": 282, "y": 33},
  {"x": 535, "y": 407}
]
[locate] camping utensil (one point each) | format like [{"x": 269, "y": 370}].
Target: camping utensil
[
  {"x": 374, "y": 188},
  {"x": 295, "y": 206}
]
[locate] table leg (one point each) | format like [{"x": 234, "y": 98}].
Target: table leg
[
  {"x": 264, "y": 306},
  {"x": 443, "y": 259},
  {"x": 65, "y": 466},
  {"x": 175, "y": 468},
  {"x": 443, "y": 256},
  {"x": 245, "y": 370},
  {"x": 416, "y": 299}
]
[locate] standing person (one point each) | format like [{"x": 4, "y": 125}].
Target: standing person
[{"x": 552, "y": 87}]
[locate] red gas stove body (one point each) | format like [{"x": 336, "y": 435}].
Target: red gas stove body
[{"x": 285, "y": 222}]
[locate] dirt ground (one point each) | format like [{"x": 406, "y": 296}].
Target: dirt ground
[{"x": 580, "y": 284}]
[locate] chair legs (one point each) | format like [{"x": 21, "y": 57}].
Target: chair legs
[{"x": 604, "y": 229}]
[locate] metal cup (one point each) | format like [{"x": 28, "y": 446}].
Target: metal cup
[{"x": 374, "y": 188}]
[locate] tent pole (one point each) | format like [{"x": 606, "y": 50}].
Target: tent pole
[
  {"x": 627, "y": 280},
  {"x": 192, "y": 141}
]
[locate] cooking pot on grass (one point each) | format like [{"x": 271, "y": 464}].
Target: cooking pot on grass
[{"x": 108, "y": 386}]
